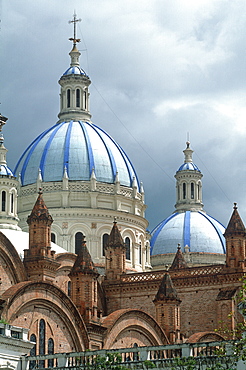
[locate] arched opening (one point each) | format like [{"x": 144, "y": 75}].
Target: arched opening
[
  {"x": 3, "y": 201},
  {"x": 78, "y": 241},
  {"x": 140, "y": 253},
  {"x": 42, "y": 341},
  {"x": 12, "y": 203},
  {"x": 68, "y": 98},
  {"x": 184, "y": 190},
  {"x": 33, "y": 351},
  {"x": 85, "y": 99},
  {"x": 50, "y": 352},
  {"x": 53, "y": 238},
  {"x": 104, "y": 243},
  {"x": 135, "y": 354},
  {"x": 77, "y": 98},
  {"x": 192, "y": 190},
  {"x": 128, "y": 248}
]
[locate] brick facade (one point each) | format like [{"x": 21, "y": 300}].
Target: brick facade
[{"x": 64, "y": 297}]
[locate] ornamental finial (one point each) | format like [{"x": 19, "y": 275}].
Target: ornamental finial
[{"x": 74, "y": 21}]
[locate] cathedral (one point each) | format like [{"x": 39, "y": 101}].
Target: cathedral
[{"x": 78, "y": 267}]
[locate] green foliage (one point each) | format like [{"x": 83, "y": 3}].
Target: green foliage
[
  {"x": 3, "y": 321},
  {"x": 111, "y": 361},
  {"x": 184, "y": 363},
  {"x": 148, "y": 364}
]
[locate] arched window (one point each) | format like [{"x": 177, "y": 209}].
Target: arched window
[
  {"x": 33, "y": 351},
  {"x": 12, "y": 202},
  {"x": 3, "y": 201},
  {"x": 135, "y": 354},
  {"x": 53, "y": 237},
  {"x": 85, "y": 99},
  {"x": 198, "y": 192},
  {"x": 192, "y": 190},
  {"x": 69, "y": 288},
  {"x": 42, "y": 341},
  {"x": 77, "y": 98},
  {"x": 140, "y": 253},
  {"x": 78, "y": 242},
  {"x": 104, "y": 243},
  {"x": 68, "y": 98},
  {"x": 184, "y": 190},
  {"x": 128, "y": 248},
  {"x": 50, "y": 352}
]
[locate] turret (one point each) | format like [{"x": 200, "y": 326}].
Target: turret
[
  {"x": 115, "y": 254},
  {"x": 8, "y": 185},
  {"x": 167, "y": 306},
  {"x": 235, "y": 235},
  {"x": 39, "y": 258},
  {"x": 188, "y": 184},
  {"x": 83, "y": 277}
]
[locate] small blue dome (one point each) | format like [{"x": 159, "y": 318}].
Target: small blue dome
[
  {"x": 201, "y": 232},
  {"x": 79, "y": 147},
  {"x": 5, "y": 170},
  {"x": 188, "y": 166},
  {"x": 74, "y": 70}
]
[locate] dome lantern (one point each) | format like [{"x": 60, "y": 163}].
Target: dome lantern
[{"x": 74, "y": 95}]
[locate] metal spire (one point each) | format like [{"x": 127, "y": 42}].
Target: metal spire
[{"x": 74, "y": 21}]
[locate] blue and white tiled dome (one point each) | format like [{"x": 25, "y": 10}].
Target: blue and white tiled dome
[
  {"x": 197, "y": 230},
  {"x": 188, "y": 166},
  {"x": 5, "y": 170},
  {"x": 74, "y": 70},
  {"x": 79, "y": 147}
]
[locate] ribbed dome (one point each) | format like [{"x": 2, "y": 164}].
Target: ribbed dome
[
  {"x": 5, "y": 170},
  {"x": 74, "y": 70},
  {"x": 79, "y": 147},
  {"x": 188, "y": 166},
  {"x": 202, "y": 233}
]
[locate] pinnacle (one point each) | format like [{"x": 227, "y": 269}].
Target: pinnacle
[
  {"x": 179, "y": 261},
  {"x": 235, "y": 224},
  {"x": 115, "y": 238},
  {"x": 166, "y": 289},
  {"x": 83, "y": 262},
  {"x": 40, "y": 210}
]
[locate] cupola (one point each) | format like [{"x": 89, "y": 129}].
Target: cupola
[{"x": 188, "y": 184}]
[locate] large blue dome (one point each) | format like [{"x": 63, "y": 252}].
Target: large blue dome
[
  {"x": 197, "y": 230},
  {"x": 79, "y": 147}
]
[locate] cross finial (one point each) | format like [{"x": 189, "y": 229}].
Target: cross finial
[{"x": 74, "y": 21}]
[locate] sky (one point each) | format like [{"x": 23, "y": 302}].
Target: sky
[{"x": 162, "y": 71}]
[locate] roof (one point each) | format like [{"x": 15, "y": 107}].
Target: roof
[
  {"x": 20, "y": 241},
  {"x": 5, "y": 170},
  {"x": 74, "y": 70},
  {"x": 188, "y": 166},
  {"x": 197, "y": 230},
  {"x": 79, "y": 147},
  {"x": 166, "y": 290}
]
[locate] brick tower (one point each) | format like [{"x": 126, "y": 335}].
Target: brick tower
[
  {"x": 167, "y": 306},
  {"x": 39, "y": 258},
  {"x": 235, "y": 235},
  {"x": 83, "y": 277},
  {"x": 115, "y": 254}
]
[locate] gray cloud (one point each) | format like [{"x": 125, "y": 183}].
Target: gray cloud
[{"x": 164, "y": 69}]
